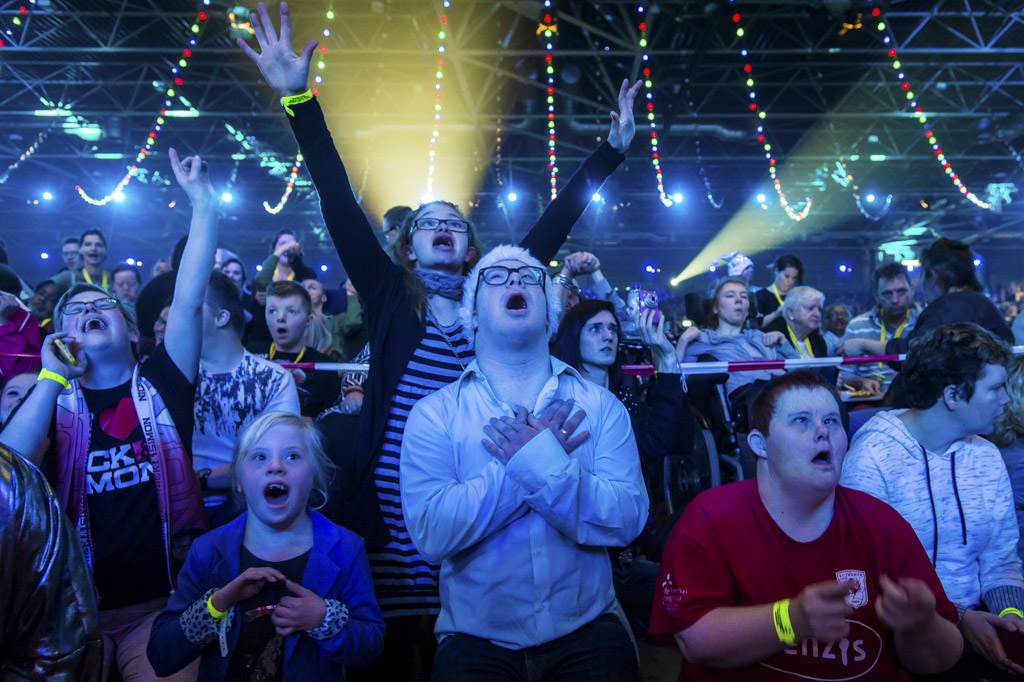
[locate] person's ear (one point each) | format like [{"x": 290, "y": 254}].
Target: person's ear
[
  {"x": 950, "y": 396},
  {"x": 471, "y": 254},
  {"x": 758, "y": 443},
  {"x": 409, "y": 253},
  {"x": 222, "y": 318}
]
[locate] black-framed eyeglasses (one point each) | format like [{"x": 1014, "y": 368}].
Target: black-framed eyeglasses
[
  {"x": 496, "y": 275},
  {"x": 430, "y": 224},
  {"x": 105, "y": 303}
]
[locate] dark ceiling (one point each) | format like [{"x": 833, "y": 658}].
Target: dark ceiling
[{"x": 827, "y": 85}]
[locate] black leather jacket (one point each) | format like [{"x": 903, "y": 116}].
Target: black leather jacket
[{"x": 49, "y": 628}]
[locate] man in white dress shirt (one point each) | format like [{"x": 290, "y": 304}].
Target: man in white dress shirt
[{"x": 518, "y": 497}]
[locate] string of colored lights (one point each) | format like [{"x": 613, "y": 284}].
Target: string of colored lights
[
  {"x": 550, "y": 28},
  {"x": 700, "y": 153},
  {"x": 24, "y": 155},
  {"x": 16, "y": 20},
  {"x": 140, "y": 158},
  {"x": 649, "y": 95},
  {"x": 321, "y": 67},
  {"x": 438, "y": 77},
  {"x": 321, "y": 62},
  {"x": 274, "y": 210},
  {"x": 842, "y": 176},
  {"x": 704, "y": 176},
  {"x": 929, "y": 134},
  {"x": 497, "y": 156},
  {"x": 792, "y": 212}
]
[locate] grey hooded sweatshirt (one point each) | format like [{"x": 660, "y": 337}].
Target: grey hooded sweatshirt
[{"x": 959, "y": 502}]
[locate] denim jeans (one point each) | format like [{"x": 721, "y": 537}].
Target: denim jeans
[{"x": 600, "y": 650}]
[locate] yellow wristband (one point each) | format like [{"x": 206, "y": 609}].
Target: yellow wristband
[
  {"x": 1012, "y": 609},
  {"x": 287, "y": 102},
  {"x": 47, "y": 374},
  {"x": 783, "y": 626},
  {"x": 214, "y": 613}
]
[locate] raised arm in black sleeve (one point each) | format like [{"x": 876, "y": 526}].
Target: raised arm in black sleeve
[{"x": 552, "y": 228}]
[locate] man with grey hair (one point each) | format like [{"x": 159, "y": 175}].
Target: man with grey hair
[{"x": 517, "y": 499}]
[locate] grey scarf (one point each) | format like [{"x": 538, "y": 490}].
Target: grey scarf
[{"x": 449, "y": 286}]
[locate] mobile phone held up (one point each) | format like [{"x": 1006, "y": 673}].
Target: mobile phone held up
[{"x": 65, "y": 352}]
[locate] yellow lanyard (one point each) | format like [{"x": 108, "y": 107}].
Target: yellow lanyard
[
  {"x": 899, "y": 330},
  {"x": 85, "y": 273},
  {"x": 273, "y": 351},
  {"x": 879, "y": 374},
  {"x": 277, "y": 276},
  {"x": 45, "y": 322},
  {"x": 776, "y": 292},
  {"x": 797, "y": 344}
]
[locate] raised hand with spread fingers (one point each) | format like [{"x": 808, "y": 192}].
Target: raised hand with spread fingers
[{"x": 286, "y": 73}]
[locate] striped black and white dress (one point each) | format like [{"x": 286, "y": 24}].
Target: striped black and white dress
[{"x": 405, "y": 582}]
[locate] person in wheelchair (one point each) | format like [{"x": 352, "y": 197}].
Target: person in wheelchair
[{"x": 724, "y": 338}]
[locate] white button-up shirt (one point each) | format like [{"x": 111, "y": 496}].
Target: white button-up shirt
[{"x": 522, "y": 544}]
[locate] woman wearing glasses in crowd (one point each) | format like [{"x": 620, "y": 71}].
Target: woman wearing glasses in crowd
[{"x": 417, "y": 344}]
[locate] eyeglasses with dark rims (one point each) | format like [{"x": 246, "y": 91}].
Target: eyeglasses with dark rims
[
  {"x": 431, "y": 224},
  {"x": 496, "y": 275},
  {"x": 75, "y": 307}
]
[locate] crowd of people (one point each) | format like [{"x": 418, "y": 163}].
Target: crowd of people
[{"x": 189, "y": 491}]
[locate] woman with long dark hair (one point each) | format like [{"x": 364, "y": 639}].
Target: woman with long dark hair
[
  {"x": 663, "y": 423},
  {"x": 588, "y": 340}
]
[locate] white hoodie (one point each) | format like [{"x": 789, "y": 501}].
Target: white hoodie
[{"x": 965, "y": 489}]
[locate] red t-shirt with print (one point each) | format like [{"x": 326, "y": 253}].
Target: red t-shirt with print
[{"x": 726, "y": 550}]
